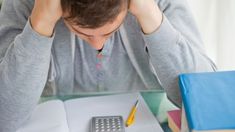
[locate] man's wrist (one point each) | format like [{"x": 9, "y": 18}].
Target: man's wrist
[
  {"x": 150, "y": 21},
  {"x": 42, "y": 27}
]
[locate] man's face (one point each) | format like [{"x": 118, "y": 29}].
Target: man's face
[{"x": 97, "y": 37}]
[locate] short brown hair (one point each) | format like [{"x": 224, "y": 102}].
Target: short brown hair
[{"x": 92, "y": 13}]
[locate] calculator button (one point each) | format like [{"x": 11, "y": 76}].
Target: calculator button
[{"x": 107, "y": 124}]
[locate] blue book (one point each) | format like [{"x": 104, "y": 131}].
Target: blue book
[{"x": 209, "y": 100}]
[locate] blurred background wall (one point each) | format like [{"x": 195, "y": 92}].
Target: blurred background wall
[{"x": 216, "y": 22}]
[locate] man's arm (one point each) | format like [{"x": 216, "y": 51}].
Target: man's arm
[
  {"x": 173, "y": 41},
  {"x": 24, "y": 62}
]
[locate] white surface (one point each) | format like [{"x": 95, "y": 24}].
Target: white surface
[
  {"x": 80, "y": 112},
  {"x": 47, "y": 117},
  {"x": 75, "y": 115}
]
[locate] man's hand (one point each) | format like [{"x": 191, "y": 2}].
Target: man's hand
[
  {"x": 148, "y": 14},
  {"x": 45, "y": 15}
]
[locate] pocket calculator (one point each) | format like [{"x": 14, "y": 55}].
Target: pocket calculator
[{"x": 107, "y": 124}]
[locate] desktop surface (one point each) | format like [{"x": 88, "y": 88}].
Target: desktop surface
[{"x": 153, "y": 99}]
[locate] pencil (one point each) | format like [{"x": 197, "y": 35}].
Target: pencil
[{"x": 131, "y": 117}]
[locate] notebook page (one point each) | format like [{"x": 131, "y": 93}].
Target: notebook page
[
  {"x": 80, "y": 111},
  {"x": 47, "y": 117}
]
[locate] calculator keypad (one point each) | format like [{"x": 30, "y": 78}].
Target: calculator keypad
[{"x": 107, "y": 124}]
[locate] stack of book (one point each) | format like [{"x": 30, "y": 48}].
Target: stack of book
[
  {"x": 174, "y": 120},
  {"x": 208, "y": 100}
]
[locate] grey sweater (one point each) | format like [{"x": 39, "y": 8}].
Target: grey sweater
[{"x": 32, "y": 65}]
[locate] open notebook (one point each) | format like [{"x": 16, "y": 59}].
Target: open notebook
[{"x": 75, "y": 115}]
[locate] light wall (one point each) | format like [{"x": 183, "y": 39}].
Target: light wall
[{"x": 216, "y": 22}]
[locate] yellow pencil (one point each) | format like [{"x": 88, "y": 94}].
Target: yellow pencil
[{"x": 131, "y": 117}]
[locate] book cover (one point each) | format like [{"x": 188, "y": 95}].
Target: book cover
[
  {"x": 208, "y": 99},
  {"x": 174, "y": 120}
]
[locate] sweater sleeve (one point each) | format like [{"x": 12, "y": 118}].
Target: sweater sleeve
[
  {"x": 24, "y": 64},
  {"x": 176, "y": 47}
]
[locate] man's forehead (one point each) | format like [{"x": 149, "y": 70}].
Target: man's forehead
[
  {"x": 106, "y": 29},
  {"x": 101, "y": 31}
]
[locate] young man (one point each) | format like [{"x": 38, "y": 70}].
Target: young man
[{"x": 54, "y": 47}]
